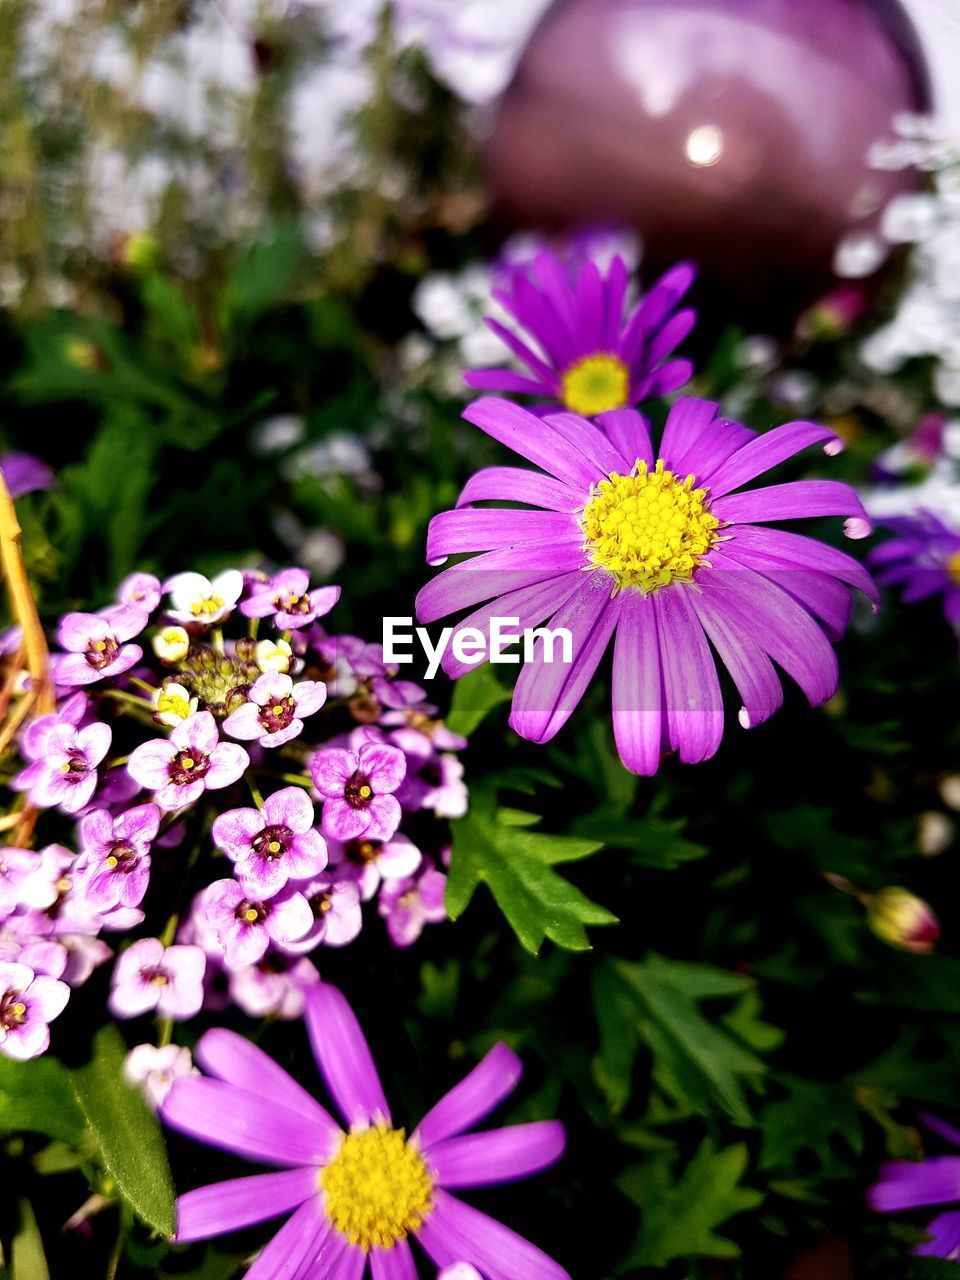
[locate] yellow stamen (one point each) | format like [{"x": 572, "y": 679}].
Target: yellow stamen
[
  {"x": 112, "y": 861},
  {"x": 251, "y": 914},
  {"x": 377, "y": 1188},
  {"x": 19, "y": 1009},
  {"x": 173, "y": 704},
  {"x": 953, "y": 568},
  {"x": 99, "y": 645},
  {"x": 648, "y": 528},
  {"x": 365, "y": 792},
  {"x": 274, "y": 846},
  {"x": 595, "y": 384},
  {"x": 188, "y": 762},
  {"x": 204, "y": 608}
]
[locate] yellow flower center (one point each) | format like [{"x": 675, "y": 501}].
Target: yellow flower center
[
  {"x": 251, "y": 915},
  {"x": 648, "y": 528},
  {"x": 377, "y": 1188},
  {"x": 204, "y": 608},
  {"x": 366, "y": 792},
  {"x": 595, "y": 384},
  {"x": 953, "y": 568},
  {"x": 173, "y": 704},
  {"x": 19, "y": 1009}
]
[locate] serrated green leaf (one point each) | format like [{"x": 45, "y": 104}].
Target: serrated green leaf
[
  {"x": 698, "y": 1063},
  {"x": 130, "y": 1145},
  {"x": 27, "y": 1258},
  {"x": 651, "y": 841},
  {"x": 813, "y": 1117},
  {"x": 517, "y": 864},
  {"x": 475, "y": 695},
  {"x": 679, "y": 1217},
  {"x": 38, "y": 1096}
]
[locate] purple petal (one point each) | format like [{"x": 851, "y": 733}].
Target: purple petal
[
  {"x": 497, "y": 574},
  {"x": 507, "y": 381},
  {"x": 351, "y": 1264},
  {"x": 752, "y": 671},
  {"x": 944, "y": 1242},
  {"x": 343, "y": 1057},
  {"x": 547, "y": 692},
  {"x": 502, "y": 1155},
  {"x": 384, "y": 814},
  {"x": 637, "y": 686},
  {"x": 47, "y": 997},
  {"x": 331, "y": 768},
  {"x": 523, "y": 432},
  {"x": 805, "y": 553},
  {"x": 248, "y": 1124},
  {"x": 234, "y": 831},
  {"x": 384, "y": 767},
  {"x": 796, "y": 500},
  {"x": 23, "y": 473},
  {"x": 289, "y": 807},
  {"x": 590, "y": 441},
  {"x": 514, "y": 484},
  {"x": 630, "y": 434},
  {"x": 467, "y": 1103},
  {"x": 235, "y": 1060},
  {"x": 309, "y": 696},
  {"x": 149, "y": 764},
  {"x": 480, "y": 529},
  {"x": 909, "y": 1184},
  {"x": 395, "y": 1263},
  {"x": 244, "y": 723},
  {"x": 242, "y": 1202},
  {"x": 290, "y": 917},
  {"x": 687, "y": 422},
  {"x": 228, "y": 761},
  {"x": 767, "y": 451},
  {"x": 292, "y": 1251},
  {"x": 455, "y": 1232},
  {"x": 693, "y": 705},
  {"x": 197, "y": 733}
]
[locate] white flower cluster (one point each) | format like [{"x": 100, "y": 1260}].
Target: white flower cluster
[{"x": 927, "y": 320}]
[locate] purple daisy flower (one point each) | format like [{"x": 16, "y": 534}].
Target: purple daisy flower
[
  {"x": 246, "y": 926},
  {"x": 918, "y": 1184},
  {"x": 96, "y": 644},
  {"x": 586, "y": 353},
  {"x": 28, "y": 1003},
  {"x": 276, "y": 709},
  {"x": 66, "y": 774},
  {"x": 180, "y": 768},
  {"x": 149, "y": 976},
  {"x": 114, "y": 866},
  {"x": 367, "y": 862},
  {"x": 408, "y": 905},
  {"x": 357, "y": 789},
  {"x": 272, "y": 845},
  {"x": 655, "y": 549},
  {"x": 287, "y": 596},
  {"x": 359, "y": 1192},
  {"x": 923, "y": 559},
  {"x": 337, "y": 915}
]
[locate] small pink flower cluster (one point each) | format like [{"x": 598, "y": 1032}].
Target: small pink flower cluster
[{"x": 234, "y": 801}]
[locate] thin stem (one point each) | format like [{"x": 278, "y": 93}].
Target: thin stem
[
  {"x": 298, "y": 779},
  {"x": 143, "y": 684}
]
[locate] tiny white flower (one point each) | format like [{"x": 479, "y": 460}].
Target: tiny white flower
[
  {"x": 196, "y": 599},
  {"x": 171, "y": 644},
  {"x": 154, "y": 1070},
  {"x": 173, "y": 703},
  {"x": 274, "y": 655}
]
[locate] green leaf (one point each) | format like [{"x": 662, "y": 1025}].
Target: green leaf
[
  {"x": 130, "y": 1145},
  {"x": 38, "y": 1097},
  {"x": 27, "y": 1258},
  {"x": 652, "y": 841},
  {"x": 698, "y": 1062},
  {"x": 816, "y": 1117},
  {"x": 679, "y": 1218},
  {"x": 492, "y": 848},
  {"x": 474, "y": 696}
]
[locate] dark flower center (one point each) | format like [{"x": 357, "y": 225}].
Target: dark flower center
[
  {"x": 278, "y": 713},
  {"x": 358, "y": 791},
  {"x": 156, "y": 975},
  {"x": 251, "y": 912},
  {"x": 272, "y": 843},
  {"x": 321, "y": 903},
  {"x": 363, "y": 852},
  {"x": 122, "y": 858},
  {"x": 100, "y": 653},
  {"x": 293, "y": 604},
  {"x": 430, "y": 773},
  {"x": 13, "y": 1010},
  {"x": 188, "y": 766},
  {"x": 77, "y": 765}
]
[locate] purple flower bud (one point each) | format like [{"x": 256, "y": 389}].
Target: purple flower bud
[{"x": 903, "y": 920}]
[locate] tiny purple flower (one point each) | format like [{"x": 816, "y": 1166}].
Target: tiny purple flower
[
  {"x": 96, "y": 644},
  {"x": 180, "y": 768},
  {"x": 142, "y": 590},
  {"x": 274, "y": 987},
  {"x": 34, "y": 735},
  {"x": 337, "y": 916},
  {"x": 114, "y": 867},
  {"x": 149, "y": 975},
  {"x": 276, "y": 709},
  {"x": 66, "y": 775},
  {"x": 153, "y": 1070},
  {"x": 421, "y": 720},
  {"x": 15, "y": 866},
  {"x": 245, "y": 927},
  {"x": 434, "y": 780},
  {"x": 288, "y": 597},
  {"x": 28, "y": 1003},
  {"x": 357, "y": 788},
  {"x": 367, "y": 862},
  {"x": 272, "y": 845},
  {"x": 408, "y": 905},
  {"x": 23, "y": 473}
]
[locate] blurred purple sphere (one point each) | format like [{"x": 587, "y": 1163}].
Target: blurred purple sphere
[{"x": 733, "y": 132}]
